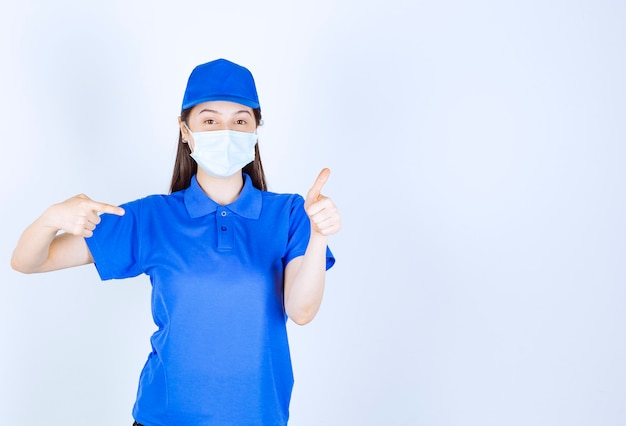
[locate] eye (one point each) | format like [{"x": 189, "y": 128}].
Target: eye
[
  {"x": 209, "y": 121},
  {"x": 241, "y": 122}
]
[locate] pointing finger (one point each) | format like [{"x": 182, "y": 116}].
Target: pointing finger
[{"x": 108, "y": 208}]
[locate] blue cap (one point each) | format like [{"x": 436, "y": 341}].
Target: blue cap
[{"x": 220, "y": 80}]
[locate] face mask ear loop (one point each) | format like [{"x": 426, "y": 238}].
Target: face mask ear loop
[{"x": 188, "y": 130}]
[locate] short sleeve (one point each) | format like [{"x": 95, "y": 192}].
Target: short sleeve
[
  {"x": 115, "y": 244},
  {"x": 299, "y": 233}
]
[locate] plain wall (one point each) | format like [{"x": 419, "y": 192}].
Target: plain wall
[{"x": 477, "y": 152}]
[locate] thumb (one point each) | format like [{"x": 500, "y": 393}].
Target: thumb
[{"x": 316, "y": 190}]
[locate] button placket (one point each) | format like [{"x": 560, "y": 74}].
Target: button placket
[{"x": 225, "y": 237}]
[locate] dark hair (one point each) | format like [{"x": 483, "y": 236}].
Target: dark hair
[{"x": 185, "y": 166}]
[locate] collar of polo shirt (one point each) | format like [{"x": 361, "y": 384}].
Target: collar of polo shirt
[{"x": 247, "y": 205}]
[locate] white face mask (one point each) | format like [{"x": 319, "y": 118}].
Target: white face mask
[{"x": 222, "y": 153}]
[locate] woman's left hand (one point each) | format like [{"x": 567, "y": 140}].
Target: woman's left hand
[{"x": 322, "y": 212}]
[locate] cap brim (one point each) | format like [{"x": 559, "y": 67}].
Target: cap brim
[{"x": 239, "y": 100}]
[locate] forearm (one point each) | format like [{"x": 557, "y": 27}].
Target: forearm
[
  {"x": 40, "y": 249},
  {"x": 305, "y": 276},
  {"x": 33, "y": 247},
  {"x": 305, "y": 283}
]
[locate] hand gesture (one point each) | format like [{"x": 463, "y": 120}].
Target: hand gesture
[
  {"x": 322, "y": 212},
  {"x": 79, "y": 215}
]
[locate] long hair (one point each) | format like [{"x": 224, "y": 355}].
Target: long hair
[{"x": 185, "y": 166}]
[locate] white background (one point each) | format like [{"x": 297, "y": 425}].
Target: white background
[{"x": 477, "y": 151}]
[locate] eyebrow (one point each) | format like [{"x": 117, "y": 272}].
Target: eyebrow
[{"x": 219, "y": 113}]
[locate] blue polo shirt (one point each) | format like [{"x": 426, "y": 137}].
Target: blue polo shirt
[{"x": 220, "y": 355}]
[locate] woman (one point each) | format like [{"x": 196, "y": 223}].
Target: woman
[{"x": 229, "y": 262}]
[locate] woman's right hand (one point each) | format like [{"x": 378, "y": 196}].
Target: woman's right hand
[
  {"x": 78, "y": 215},
  {"x": 40, "y": 249}
]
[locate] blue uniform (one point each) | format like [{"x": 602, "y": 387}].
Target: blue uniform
[{"x": 220, "y": 355}]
